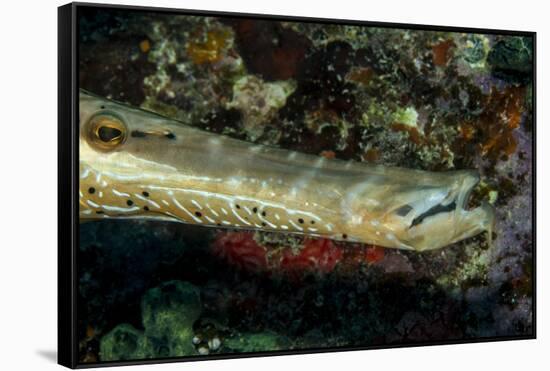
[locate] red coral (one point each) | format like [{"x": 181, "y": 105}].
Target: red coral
[
  {"x": 317, "y": 255},
  {"x": 320, "y": 255},
  {"x": 240, "y": 249},
  {"x": 441, "y": 52},
  {"x": 374, "y": 254}
]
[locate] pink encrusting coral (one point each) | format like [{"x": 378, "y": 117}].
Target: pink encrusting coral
[
  {"x": 315, "y": 255},
  {"x": 319, "y": 255},
  {"x": 240, "y": 249}
]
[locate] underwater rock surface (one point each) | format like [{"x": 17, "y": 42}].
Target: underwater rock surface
[
  {"x": 417, "y": 99},
  {"x": 168, "y": 314}
]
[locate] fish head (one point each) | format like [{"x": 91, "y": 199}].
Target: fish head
[
  {"x": 124, "y": 151},
  {"x": 421, "y": 212}
]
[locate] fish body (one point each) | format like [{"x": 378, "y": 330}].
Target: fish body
[{"x": 137, "y": 164}]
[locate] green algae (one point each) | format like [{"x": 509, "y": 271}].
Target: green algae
[
  {"x": 254, "y": 342},
  {"x": 407, "y": 116},
  {"x": 472, "y": 270},
  {"x": 168, "y": 314},
  {"x": 124, "y": 342},
  {"x": 511, "y": 58}
]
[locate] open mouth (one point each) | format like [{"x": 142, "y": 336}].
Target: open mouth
[{"x": 437, "y": 202}]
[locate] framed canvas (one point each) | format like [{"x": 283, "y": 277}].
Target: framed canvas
[{"x": 235, "y": 185}]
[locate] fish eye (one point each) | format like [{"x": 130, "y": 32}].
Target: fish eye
[{"x": 106, "y": 131}]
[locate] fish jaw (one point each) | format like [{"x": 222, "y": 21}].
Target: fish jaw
[
  {"x": 419, "y": 218},
  {"x": 464, "y": 223}
]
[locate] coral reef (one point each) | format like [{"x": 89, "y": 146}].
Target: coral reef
[{"x": 395, "y": 97}]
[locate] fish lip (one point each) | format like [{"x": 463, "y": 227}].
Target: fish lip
[
  {"x": 470, "y": 180},
  {"x": 458, "y": 195}
]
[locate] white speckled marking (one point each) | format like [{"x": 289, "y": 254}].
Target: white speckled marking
[
  {"x": 239, "y": 217},
  {"x": 147, "y": 200},
  {"x": 120, "y": 209},
  {"x": 295, "y": 225},
  {"x": 265, "y": 221},
  {"x": 212, "y": 210},
  {"x": 84, "y": 174},
  {"x": 91, "y": 203},
  {"x": 186, "y": 211},
  {"x": 120, "y": 194}
]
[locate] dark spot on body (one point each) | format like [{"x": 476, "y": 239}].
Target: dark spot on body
[
  {"x": 263, "y": 213},
  {"x": 197, "y": 213},
  {"x": 129, "y": 202},
  {"x": 170, "y": 135},
  {"x": 255, "y": 209},
  {"x": 403, "y": 210},
  {"x": 91, "y": 190},
  {"x": 138, "y": 134},
  {"x": 313, "y": 222},
  {"x": 263, "y": 224},
  {"x": 146, "y": 208},
  {"x": 102, "y": 107},
  {"x": 218, "y": 224},
  {"x": 145, "y": 193},
  {"x": 100, "y": 212},
  {"x": 301, "y": 221},
  {"x": 237, "y": 206},
  {"x": 344, "y": 236}
]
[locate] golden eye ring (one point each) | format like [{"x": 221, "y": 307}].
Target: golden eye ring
[{"x": 106, "y": 131}]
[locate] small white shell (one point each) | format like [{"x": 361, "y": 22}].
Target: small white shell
[{"x": 215, "y": 343}]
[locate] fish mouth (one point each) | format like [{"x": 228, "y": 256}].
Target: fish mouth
[
  {"x": 452, "y": 200},
  {"x": 441, "y": 216}
]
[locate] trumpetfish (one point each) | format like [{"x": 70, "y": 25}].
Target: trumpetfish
[{"x": 138, "y": 164}]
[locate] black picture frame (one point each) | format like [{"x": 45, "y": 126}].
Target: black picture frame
[{"x": 68, "y": 180}]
